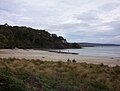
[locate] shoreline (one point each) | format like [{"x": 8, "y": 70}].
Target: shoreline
[
  {"x": 45, "y": 55},
  {"x": 64, "y": 52}
]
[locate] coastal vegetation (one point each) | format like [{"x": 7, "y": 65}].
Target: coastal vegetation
[
  {"x": 38, "y": 75},
  {"x": 28, "y": 38}
]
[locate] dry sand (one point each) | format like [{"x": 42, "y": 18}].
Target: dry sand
[{"x": 50, "y": 56}]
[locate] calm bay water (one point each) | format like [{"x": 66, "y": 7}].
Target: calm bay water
[{"x": 110, "y": 51}]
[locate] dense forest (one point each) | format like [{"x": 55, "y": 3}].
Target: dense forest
[{"x": 26, "y": 38}]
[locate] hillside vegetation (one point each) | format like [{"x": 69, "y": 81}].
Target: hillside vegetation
[
  {"x": 37, "y": 75},
  {"x": 26, "y": 38}
]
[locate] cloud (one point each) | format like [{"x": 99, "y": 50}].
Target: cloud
[
  {"x": 80, "y": 20},
  {"x": 95, "y": 25},
  {"x": 110, "y": 6}
]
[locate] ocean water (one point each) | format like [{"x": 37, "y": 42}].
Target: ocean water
[{"x": 110, "y": 51}]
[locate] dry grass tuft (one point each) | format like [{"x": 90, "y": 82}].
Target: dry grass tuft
[{"x": 37, "y": 75}]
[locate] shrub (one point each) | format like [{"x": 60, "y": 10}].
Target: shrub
[
  {"x": 9, "y": 83},
  {"x": 96, "y": 86}
]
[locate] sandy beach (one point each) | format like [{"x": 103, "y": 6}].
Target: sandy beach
[{"x": 51, "y": 56}]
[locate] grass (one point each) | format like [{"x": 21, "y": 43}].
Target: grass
[{"x": 37, "y": 75}]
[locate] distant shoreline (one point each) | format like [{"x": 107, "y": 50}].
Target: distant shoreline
[{"x": 85, "y": 44}]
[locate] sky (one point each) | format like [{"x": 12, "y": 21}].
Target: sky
[{"x": 95, "y": 21}]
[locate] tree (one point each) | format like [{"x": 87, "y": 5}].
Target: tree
[
  {"x": 26, "y": 37},
  {"x": 3, "y": 41},
  {"x": 75, "y": 45}
]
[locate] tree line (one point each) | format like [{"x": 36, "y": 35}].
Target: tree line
[{"x": 26, "y": 38}]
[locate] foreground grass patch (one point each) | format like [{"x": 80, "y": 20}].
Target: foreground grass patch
[{"x": 37, "y": 75}]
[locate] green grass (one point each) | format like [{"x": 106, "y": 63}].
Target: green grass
[{"x": 37, "y": 75}]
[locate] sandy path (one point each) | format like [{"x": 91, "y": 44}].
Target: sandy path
[{"x": 50, "y": 56}]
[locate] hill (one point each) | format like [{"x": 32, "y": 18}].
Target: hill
[
  {"x": 97, "y": 44},
  {"x": 27, "y": 38}
]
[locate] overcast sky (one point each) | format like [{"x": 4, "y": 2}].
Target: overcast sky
[{"x": 76, "y": 20}]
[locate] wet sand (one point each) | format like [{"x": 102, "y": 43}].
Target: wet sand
[{"x": 51, "y": 56}]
